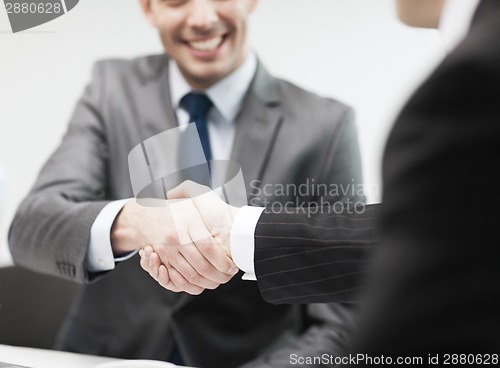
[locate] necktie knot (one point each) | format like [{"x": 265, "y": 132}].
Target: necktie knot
[{"x": 197, "y": 105}]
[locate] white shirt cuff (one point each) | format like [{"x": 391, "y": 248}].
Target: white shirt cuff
[
  {"x": 242, "y": 240},
  {"x": 100, "y": 253}
]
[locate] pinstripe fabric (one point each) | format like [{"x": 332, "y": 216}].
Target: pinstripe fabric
[
  {"x": 315, "y": 258},
  {"x": 435, "y": 287}
]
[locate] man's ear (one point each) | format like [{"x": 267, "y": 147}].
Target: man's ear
[{"x": 147, "y": 9}]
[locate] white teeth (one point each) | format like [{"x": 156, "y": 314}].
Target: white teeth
[{"x": 207, "y": 45}]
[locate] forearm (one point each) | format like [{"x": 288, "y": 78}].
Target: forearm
[
  {"x": 50, "y": 234},
  {"x": 313, "y": 258}
]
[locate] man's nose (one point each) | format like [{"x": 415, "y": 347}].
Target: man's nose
[{"x": 202, "y": 14}]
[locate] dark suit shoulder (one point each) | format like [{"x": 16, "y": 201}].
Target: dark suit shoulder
[
  {"x": 478, "y": 52},
  {"x": 480, "y": 48}
]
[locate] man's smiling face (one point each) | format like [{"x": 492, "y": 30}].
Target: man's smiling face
[{"x": 207, "y": 38}]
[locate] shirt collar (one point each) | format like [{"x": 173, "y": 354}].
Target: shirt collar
[
  {"x": 456, "y": 20},
  {"x": 226, "y": 95}
]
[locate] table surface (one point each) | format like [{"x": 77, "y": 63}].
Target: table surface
[{"x": 39, "y": 358}]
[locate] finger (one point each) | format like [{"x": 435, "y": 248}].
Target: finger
[
  {"x": 144, "y": 261},
  {"x": 151, "y": 263},
  {"x": 164, "y": 279},
  {"x": 154, "y": 264},
  {"x": 203, "y": 267},
  {"x": 147, "y": 266},
  {"x": 176, "y": 258},
  {"x": 154, "y": 260},
  {"x": 147, "y": 262},
  {"x": 208, "y": 258},
  {"x": 206, "y": 279},
  {"x": 212, "y": 252},
  {"x": 182, "y": 284},
  {"x": 190, "y": 228}
]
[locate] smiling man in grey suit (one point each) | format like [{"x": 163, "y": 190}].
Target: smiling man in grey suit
[{"x": 77, "y": 223}]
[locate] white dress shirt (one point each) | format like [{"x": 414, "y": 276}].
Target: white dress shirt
[
  {"x": 227, "y": 97},
  {"x": 455, "y": 22}
]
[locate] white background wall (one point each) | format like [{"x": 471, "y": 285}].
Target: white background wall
[{"x": 353, "y": 50}]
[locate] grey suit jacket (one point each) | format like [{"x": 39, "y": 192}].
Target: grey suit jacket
[{"x": 283, "y": 135}]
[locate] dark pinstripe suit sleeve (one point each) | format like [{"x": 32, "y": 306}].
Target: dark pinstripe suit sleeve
[{"x": 306, "y": 257}]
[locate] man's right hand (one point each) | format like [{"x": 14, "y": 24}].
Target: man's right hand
[
  {"x": 192, "y": 260},
  {"x": 218, "y": 218}
]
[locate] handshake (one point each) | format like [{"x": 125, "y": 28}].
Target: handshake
[{"x": 183, "y": 241}]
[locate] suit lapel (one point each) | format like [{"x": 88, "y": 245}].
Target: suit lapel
[
  {"x": 257, "y": 126},
  {"x": 154, "y": 100}
]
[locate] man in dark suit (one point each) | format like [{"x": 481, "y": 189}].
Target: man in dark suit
[
  {"x": 73, "y": 225},
  {"x": 434, "y": 287},
  {"x": 436, "y": 283}
]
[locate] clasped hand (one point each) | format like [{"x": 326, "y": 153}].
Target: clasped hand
[{"x": 184, "y": 242}]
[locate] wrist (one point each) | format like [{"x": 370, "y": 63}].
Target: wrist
[{"x": 123, "y": 236}]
